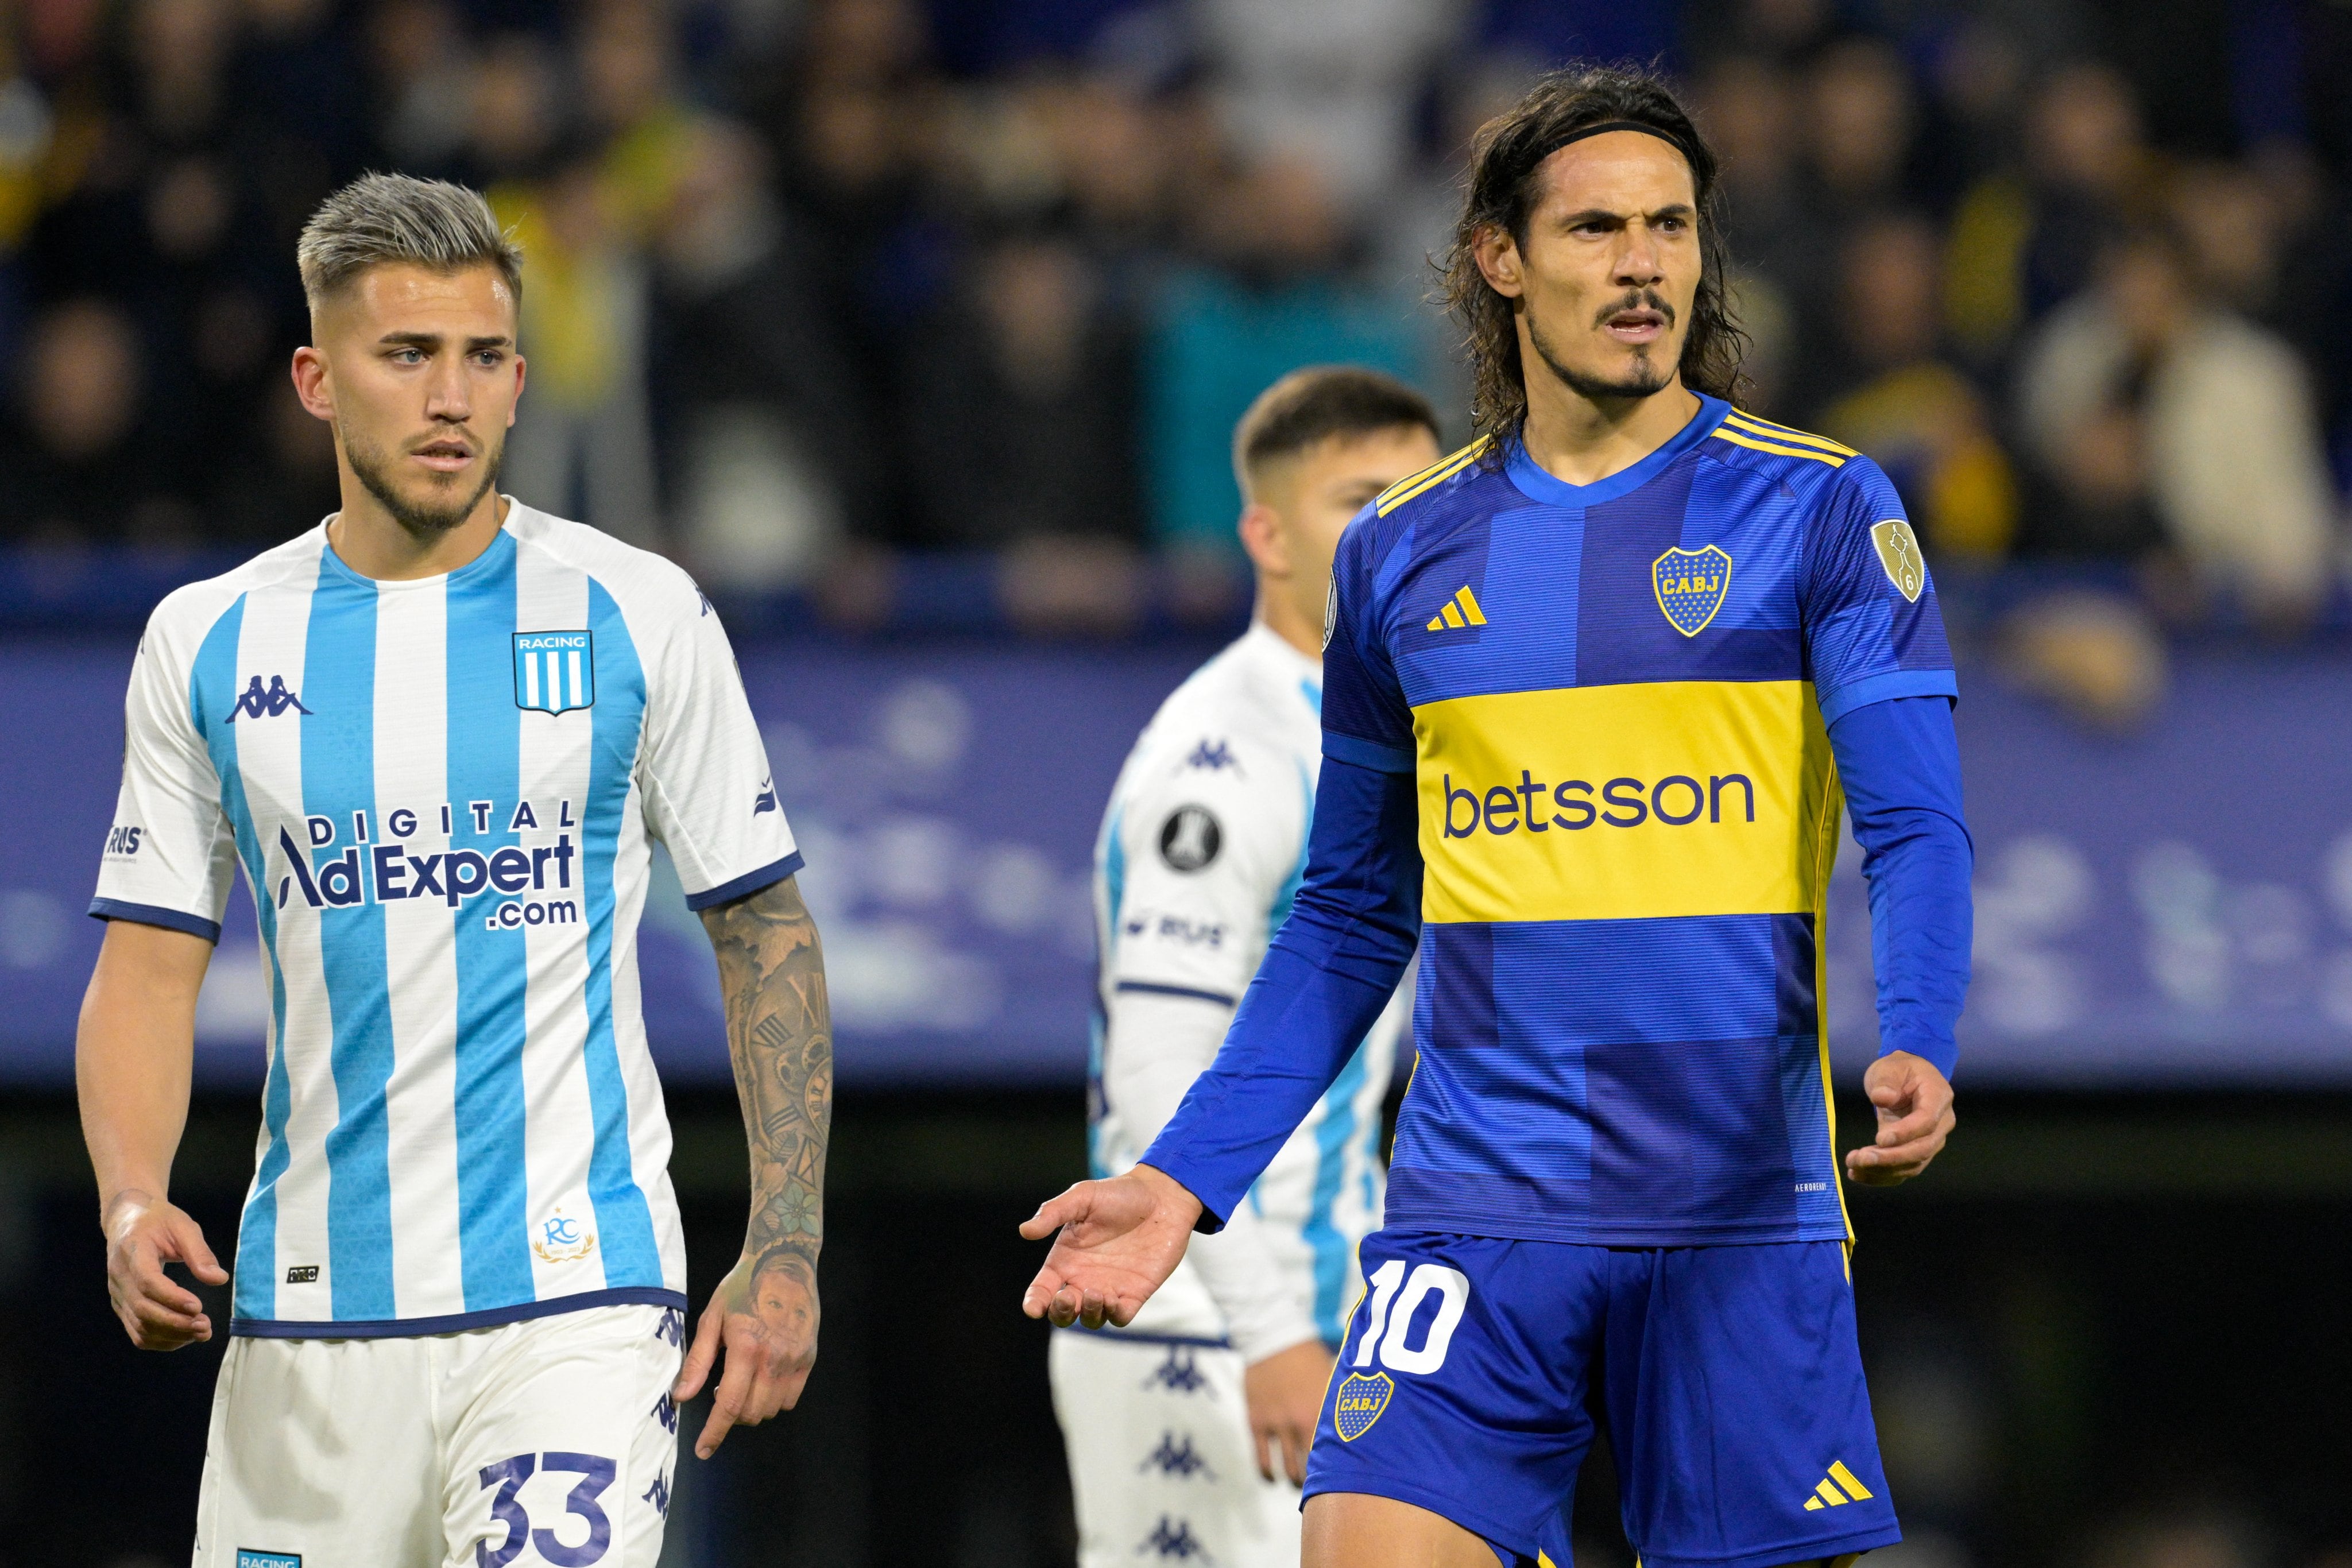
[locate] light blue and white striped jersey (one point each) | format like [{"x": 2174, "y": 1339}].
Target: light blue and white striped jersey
[
  {"x": 442, "y": 792},
  {"x": 1201, "y": 853}
]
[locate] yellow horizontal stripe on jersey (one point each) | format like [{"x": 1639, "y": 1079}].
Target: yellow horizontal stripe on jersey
[
  {"x": 1724, "y": 433},
  {"x": 1437, "y": 473},
  {"x": 1640, "y": 794},
  {"x": 1765, "y": 427}
]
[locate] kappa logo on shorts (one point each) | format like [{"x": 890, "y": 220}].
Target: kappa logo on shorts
[
  {"x": 1362, "y": 1400},
  {"x": 267, "y": 1558}
]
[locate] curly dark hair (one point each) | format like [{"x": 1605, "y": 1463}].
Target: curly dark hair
[{"x": 1502, "y": 191}]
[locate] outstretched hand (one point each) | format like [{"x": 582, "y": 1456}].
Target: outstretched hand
[
  {"x": 764, "y": 1315},
  {"x": 1119, "y": 1241},
  {"x": 1915, "y": 1117}
]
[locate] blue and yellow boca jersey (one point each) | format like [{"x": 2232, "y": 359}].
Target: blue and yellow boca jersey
[{"x": 1614, "y": 698}]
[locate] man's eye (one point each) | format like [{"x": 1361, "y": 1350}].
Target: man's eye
[{"x": 407, "y": 357}]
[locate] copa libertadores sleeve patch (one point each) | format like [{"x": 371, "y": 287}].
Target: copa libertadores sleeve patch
[{"x": 1191, "y": 838}]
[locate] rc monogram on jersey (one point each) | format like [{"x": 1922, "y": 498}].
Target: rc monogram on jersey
[{"x": 442, "y": 793}]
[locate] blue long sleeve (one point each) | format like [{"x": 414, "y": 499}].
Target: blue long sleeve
[
  {"x": 1900, "y": 763},
  {"x": 1327, "y": 975}
]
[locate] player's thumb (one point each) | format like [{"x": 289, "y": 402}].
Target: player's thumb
[
  {"x": 1056, "y": 1212},
  {"x": 188, "y": 1240}
]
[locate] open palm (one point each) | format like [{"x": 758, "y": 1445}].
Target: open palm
[{"x": 1119, "y": 1241}]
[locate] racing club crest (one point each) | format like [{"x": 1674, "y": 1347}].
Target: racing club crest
[
  {"x": 1362, "y": 1400},
  {"x": 555, "y": 671},
  {"x": 1690, "y": 585},
  {"x": 563, "y": 1236}
]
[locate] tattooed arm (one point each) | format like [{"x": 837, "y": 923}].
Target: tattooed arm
[{"x": 780, "y": 1036}]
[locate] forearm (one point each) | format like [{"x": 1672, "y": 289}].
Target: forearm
[
  {"x": 1899, "y": 762},
  {"x": 1327, "y": 973},
  {"x": 779, "y": 1039},
  {"x": 133, "y": 1056}
]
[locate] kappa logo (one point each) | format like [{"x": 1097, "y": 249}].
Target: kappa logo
[
  {"x": 1216, "y": 758},
  {"x": 1174, "y": 1537},
  {"x": 1180, "y": 1373},
  {"x": 1898, "y": 554},
  {"x": 256, "y": 703},
  {"x": 1690, "y": 585},
  {"x": 1361, "y": 1399},
  {"x": 1177, "y": 1458}
]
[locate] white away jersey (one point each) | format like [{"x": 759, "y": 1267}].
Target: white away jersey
[
  {"x": 1202, "y": 851},
  {"x": 441, "y": 791}
]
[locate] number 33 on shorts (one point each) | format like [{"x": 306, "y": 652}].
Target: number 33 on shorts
[{"x": 1386, "y": 1339}]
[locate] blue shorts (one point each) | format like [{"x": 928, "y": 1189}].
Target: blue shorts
[{"x": 1474, "y": 1367}]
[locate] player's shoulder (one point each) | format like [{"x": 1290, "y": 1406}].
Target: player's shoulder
[
  {"x": 1224, "y": 730},
  {"x": 185, "y": 616},
  {"x": 1420, "y": 508},
  {"x": 644, "y": 585},
  {"x": 1806, "y": 462}
]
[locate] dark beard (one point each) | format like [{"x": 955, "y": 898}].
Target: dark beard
[
  {"x": 1645, "y": 381},
  {"x": 421, "y": 521}
]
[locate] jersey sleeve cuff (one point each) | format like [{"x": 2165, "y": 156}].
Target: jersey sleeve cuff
[
  {"x": 154, "y": 915},
  {"x": 1836, "y": 705},
  {"x": 1362, "y": 753},
  {"x": 750, "y": 882},
  {"x": 1944, "y": 1053}
]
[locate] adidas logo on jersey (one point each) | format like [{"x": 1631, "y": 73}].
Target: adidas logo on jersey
[
  {"x": 1837, "y": 1489},
  {"x": 1460, "y": 610}
]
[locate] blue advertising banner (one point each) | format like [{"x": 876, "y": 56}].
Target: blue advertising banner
[{"x": 2167, "y": 908}]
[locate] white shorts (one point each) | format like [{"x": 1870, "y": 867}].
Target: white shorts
[
  {"x": 1162, "y": 1464},
  {"x": 548, "y": 1441}
]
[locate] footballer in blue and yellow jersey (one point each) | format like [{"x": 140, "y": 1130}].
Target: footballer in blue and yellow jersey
[
  {"x": 1614, "y": 698},
  {"x": 1596, "y": 692}
]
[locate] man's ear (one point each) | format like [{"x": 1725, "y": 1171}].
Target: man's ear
[
  {"x": 1263, "y": 538},
  {"x": 311, "y": 383},
  {"x": 1498, "y": 255}
]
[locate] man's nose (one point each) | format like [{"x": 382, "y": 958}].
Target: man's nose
[
  {"x": 1637, "y": 256},
  {"x": 449, "y": 395}
]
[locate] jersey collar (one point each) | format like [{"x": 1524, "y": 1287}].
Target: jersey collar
[{"x": 1537, "y": 484}]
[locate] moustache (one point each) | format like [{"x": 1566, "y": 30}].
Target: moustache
[{"x": 1638, "y": 299}]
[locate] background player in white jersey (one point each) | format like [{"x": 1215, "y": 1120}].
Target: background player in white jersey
[
  {"x": 1183, "y": 1425},
  {"x": 438, "y": 731}
]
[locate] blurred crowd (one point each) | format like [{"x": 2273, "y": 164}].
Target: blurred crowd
[{"x": 819, "y": 290}]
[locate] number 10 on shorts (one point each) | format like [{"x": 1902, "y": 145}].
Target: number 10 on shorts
[{"x": 1388, "y": 1328}]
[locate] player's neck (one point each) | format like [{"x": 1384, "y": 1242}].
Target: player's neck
[
  {"x": 1584, "y": 440},
  {"x": 372, "y": 542},
  {"x": 1278, "y": 614}
]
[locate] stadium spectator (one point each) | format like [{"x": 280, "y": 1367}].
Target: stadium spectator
[
  {"x": 2139, "y": 393},
  {"x": 78, "y": 470},
  {"x": 1911, "y": 409}
]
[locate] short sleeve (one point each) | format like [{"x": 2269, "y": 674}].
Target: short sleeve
[
  {"x": 1207, "y": 848},
  {"x": 710, "y": 796},
  {"x": 1873, "y": 630},
  {"x": 1366, "y": 720},
  {"x": 169, "y": 852}
]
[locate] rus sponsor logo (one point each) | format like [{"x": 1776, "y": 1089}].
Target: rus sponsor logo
[{"x": 1572, "y": 805}]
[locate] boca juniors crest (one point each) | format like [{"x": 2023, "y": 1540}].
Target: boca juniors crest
[
  {"x": 555, "y": 671},
  {"x": 1690, "y": 585},
  {"x": 1362, "y": 1400}
]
